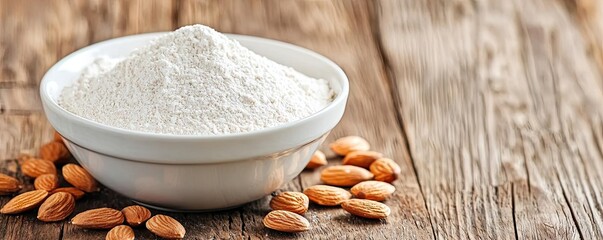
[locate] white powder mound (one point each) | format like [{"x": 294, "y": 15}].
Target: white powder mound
[{"x": 194, "y": 81}]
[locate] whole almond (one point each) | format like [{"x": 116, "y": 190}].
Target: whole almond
[
  {"x": 46, "y": 182},
  {"x": 344, "y": 175},
  {"x": 76, "y": 193},
  {"x": 290, "y": 201},
  {"x": 373, "y": 190},
  {"x": 166, "y": 227},
  {"x": 8, "y": 184},
  {"x": 79, "y": 178},
  {"x": 99, "y": 218},
  {"x": 318, "y": 160},
  {"x": 54, "y": 151},
  {"x": 136, "y": 215},
  {"x": 285, "y": 221},
  {"x": 121, "y": 232},
  {"x": 24, "y": 202},
  {"x": 361, "y": 159},
  {"x": 57, "y": 137},
  {"x": 385, "y": 170},
  {"x": 34, "y": 167},
  {"x": 366, "y": 208},
  {"x": 56, "y": 207},
  {"x": 327, "y": 195},
  {"x": 349, "y": 144}
]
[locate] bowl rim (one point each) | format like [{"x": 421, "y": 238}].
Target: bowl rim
[{"x": 339, "y": 99}]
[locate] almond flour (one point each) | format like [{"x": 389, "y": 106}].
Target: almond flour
[{"x": 194, "y": 81}]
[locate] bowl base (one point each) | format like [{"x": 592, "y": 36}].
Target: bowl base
[{"x": 185, "y": 210}]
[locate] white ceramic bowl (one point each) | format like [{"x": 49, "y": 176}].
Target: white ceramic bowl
[{"x": 197, "y": 173}]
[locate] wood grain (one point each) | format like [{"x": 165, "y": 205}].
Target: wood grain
[{"x": 492, "y": 108}]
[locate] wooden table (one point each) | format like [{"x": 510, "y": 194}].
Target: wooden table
[{"x": 492, "y": 108}]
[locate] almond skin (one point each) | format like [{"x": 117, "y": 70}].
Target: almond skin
[
  {"x": 318, "y": 160},
  {"x": 76, "y": 193},
  {"x": 344, "y": 175},
  {"x": 366, "y": 208},
  {"x": 285, "y": 221},
  {"x": 385, "y": 170},
  {"x": 46, "y": 182},
  {"x": 34, "y": 167},
  {"x": 54, "y": 152},
  {"x": 327, "y": 195},
  {"x": 290, "y": 201},
  {"x": 121, "y": 232},
  {"x": 8, "y": 184},
  {"x": 362, "y": 159},
  {"x": 24, "y": 202},
  {"x": 373, "y": 190},
  {"x": 100, "y": 218},
  {"x": 136, "y": 215},
  {"x": 79, "y": 178},
  {"x": 56, "y": 207},
  {"x": 166, "y": 227},
  {"x": 349, "y": 144}
]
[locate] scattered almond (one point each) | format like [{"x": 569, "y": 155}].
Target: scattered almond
[
  {"x": 366, "y": 208},
  {"x": 76, "y": 193},
  {"x": 385, "y": 170},
  {"x": 79, "y": 178},
  {"x": 121, "y": 232},
  {"x": 285, "y": 221},
  {"x": 136, "y": 215},
  {"x": 46, "y": 182},
  {"x": 361, "y": 159},
  {"x": 100, "y": 218},
  {"x": 290, "y": 201},
  {"x": 344, "y": 175},
  {"x": 166, "y": 227},
  {"x": 349, "y": 144},
  {"x": 57, "y": 137},
  {"x": 318, "y": 160},
  {"x": 373, "y": 190},
  {"x": 34, "y": 167},
  {"x": 8, "y": 184},
  {"x": 54, "y": 152},
  {"x": 24, "y": 202},
  {"x": 327, "y": 195},
  {"x": 56, "y": 207}
]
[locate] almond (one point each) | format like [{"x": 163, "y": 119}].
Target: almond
[
  {"x": 24, "y": 202},
  {"x": 361, "y": 159},
  {"x": 366, "y": 208},
  {"x": 373, "y": 190},
  {"x": 385, "y": 170},
  {"x": 46, "y": 182},
  {"x": 76, "y": 193},
  {"x": 54, "y": 152},
  {"x": 285, "y": 221},
  {"x": 349, "y": 144},
  {"x": 290, "y": 201},
  {"x": 136, "y": 215},
  {"x": 318, "y": 160},
  {"x": 8, "y": 184},
  {"x": 345, "y": 175},
  {"x": 57, "y": 137},
  {"x": 34, "y": 167},
  {"x": 121, "y": 232},
  {"x": 79, "y": 178},
  {"x": 166, "y": 227},
  {"x": 100, "y": 218},
  {"x": 327, "y": 195},
  {"x": 56, "y": 207}
]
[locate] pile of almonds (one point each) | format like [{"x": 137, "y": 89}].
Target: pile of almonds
[
  {"x": 56, "y": 203},
  {"x": 367, "y": 172}
]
